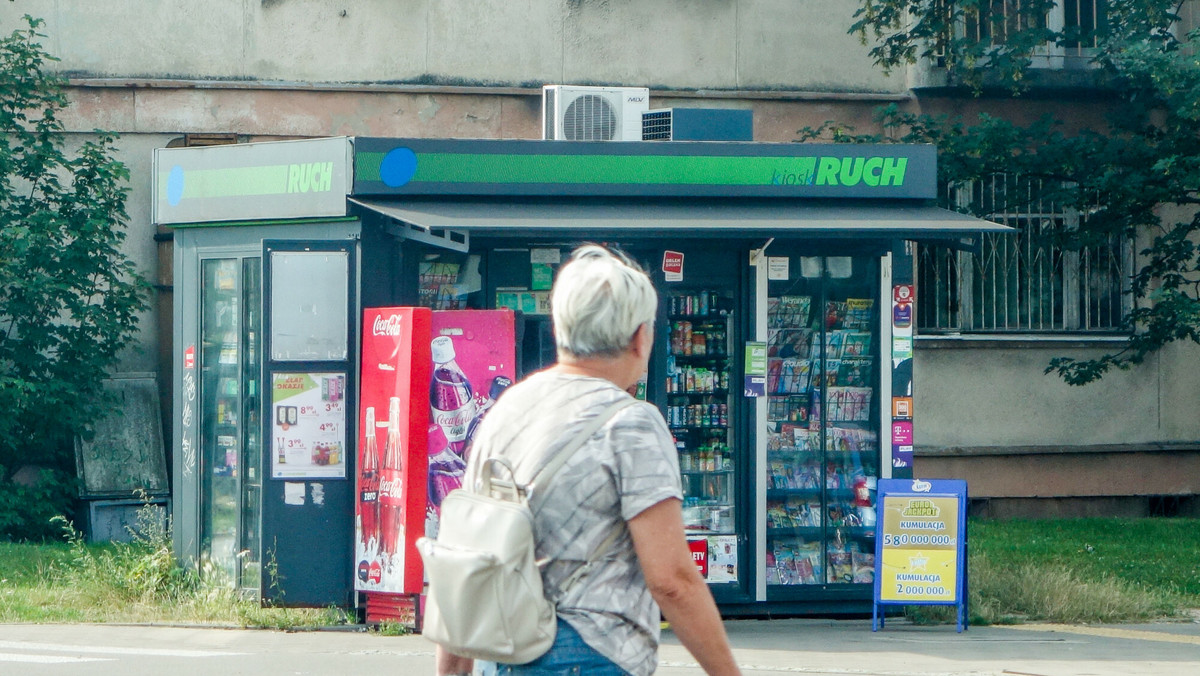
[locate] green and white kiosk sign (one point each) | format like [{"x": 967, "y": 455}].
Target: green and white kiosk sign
[{"x": 253, "y": 181}]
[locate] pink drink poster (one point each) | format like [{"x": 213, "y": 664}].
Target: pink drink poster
[{"x": 473, "y": 354}]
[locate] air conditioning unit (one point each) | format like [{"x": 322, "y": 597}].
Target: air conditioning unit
[
  {"x": 572, "y": 113},
  {"x": 697, "y": 124}
]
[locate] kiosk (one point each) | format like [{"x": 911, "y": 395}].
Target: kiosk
[{"x": 783, "y": 345}]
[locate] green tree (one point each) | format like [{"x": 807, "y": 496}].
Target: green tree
[
  {"x": 69, "y": 298},
  {"x": 1147, "y": 157}
]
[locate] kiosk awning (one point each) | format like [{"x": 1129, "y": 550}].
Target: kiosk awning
[{"x": 675, "y": 219}]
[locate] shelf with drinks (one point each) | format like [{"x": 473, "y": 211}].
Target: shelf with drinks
[
  {"x": 707, "y": 517},
  {"x": 705, "y": 303}
]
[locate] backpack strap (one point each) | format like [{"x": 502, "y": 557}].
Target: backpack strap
[
  {"x": 546, "y": 473},
  {"x": 543, "y": 476},
  {"x": 556, "y": 464}
]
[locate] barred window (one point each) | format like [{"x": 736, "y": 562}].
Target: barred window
[
  {"x": 1027, "y": 281},
  {"x": 992, "y": 21}
]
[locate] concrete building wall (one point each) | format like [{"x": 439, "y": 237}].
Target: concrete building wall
[
  {"x": 666, "y": 44},
  {"x": 271, "y": 69},
  {"x": 970, "y": 395}
]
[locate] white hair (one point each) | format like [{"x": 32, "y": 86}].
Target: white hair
[{"x": 599, "y": 300}]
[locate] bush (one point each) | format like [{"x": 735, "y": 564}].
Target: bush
[{"x": 26, "y": 511}]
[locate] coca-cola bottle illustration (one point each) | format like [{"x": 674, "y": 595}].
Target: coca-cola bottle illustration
[
  {"x": 368, "y": 489},
  {"x": 450, "y": 397},
  {"x": 499, "y": 384},
  {"x": 391, "y": 485},
  {"x": 446, "y": 468}
]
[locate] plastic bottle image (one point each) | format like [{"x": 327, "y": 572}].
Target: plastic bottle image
[
  {"x": 446, "y": 468},
  {"x": 391, "y": 485},
  {"x": 499, "y": 384},
  {"x": 450, "y": 396}
]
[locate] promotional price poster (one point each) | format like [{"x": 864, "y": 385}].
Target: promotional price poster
[
  {"x": 309, "y": 425},
  {"x": 473, "y": 360},
  {"x": 393, "y": 423}
]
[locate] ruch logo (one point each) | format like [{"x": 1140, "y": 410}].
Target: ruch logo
[
  {"x": 311, "y": 177},
  {"x": 843, "y": 171},
  {"x": 386, "y": 327}
]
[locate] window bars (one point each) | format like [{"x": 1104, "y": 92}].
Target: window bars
[
  {"x": 1027, "y": 281},
  {"x": 991, "y": 22}
]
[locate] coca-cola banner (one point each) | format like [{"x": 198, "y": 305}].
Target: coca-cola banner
[
  {"x": 391, "y": 476},
  {"x": 473, "y": 355},
  {"x": 309, "y": 425}
]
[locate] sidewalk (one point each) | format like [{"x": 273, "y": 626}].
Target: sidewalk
[
  {"x": 762, "y": 647},
  {"x": 849, "y": 647}
]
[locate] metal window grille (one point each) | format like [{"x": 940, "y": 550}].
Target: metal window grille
[
  {"x": 991, "y": 22},
  {"x": 1025, "y": 282}
]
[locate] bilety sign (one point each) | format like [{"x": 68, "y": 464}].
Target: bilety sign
[{"x": 920, "y": 555}]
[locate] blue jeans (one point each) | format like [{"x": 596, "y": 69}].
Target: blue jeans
[{"x": 568, "y": 656}]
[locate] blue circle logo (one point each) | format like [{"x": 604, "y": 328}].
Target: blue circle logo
[
  {"x": 398, "y": 167},
  {"x": 175, "y": 185}
]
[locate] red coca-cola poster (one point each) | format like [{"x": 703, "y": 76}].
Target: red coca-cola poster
[
  {"x": 473, "y": 355},
  {"x": 393, "y": 421}
]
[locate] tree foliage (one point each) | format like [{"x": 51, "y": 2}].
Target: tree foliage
[
  {"x": 1137, "y": 177},
  {"x": 69, "y": 298}
]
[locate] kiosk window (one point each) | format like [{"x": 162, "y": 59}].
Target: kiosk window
[
  {"x": 447, "y": 281},
  {"x": 309, "y": 297}
]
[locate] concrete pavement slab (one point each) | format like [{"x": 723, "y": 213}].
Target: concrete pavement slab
[{"x": 790, "y": 646}]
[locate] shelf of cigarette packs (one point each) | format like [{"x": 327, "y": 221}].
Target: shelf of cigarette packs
[{"x": 698, "y": 407}]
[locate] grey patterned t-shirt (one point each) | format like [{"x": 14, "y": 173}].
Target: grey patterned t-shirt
[{"x": 627, "y": 466}]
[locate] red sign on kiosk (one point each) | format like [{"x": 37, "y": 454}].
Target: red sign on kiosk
[
  {"x": 700, "y": 555},
  {"x": 393, "y": 425},
  {"x": 672, "y": 266}
]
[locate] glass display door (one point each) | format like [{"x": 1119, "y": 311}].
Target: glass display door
[
  {"x": 230, "y": 427},
  {"x": 694, "y": 377},
  {"x": 823, "y": 458},
  {"x": 698, "y": 404}
]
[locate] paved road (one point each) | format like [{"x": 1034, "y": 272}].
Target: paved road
[{"x": 812, "y": 647}]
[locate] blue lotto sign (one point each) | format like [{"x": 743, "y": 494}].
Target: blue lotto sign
[{"x": 921, "y": 545}]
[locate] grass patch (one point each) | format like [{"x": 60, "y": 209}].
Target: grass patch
[
  {"x": 130, "y": 582},
  {"x": 1069, "y": 571},
  {"x": 1078, "y": 571}
]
